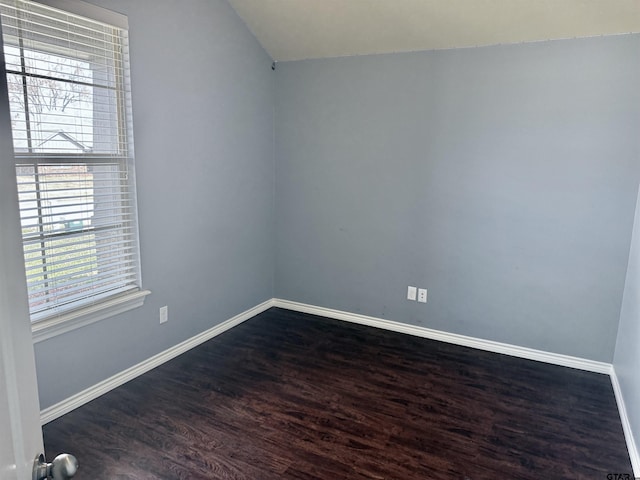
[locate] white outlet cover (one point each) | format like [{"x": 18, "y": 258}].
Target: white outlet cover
[
  {"x": 422, "y": 295},
  {"x": 411, "y": 293},
  {"x": 164, "y": 314}
]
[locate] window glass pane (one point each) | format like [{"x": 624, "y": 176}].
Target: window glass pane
[
  {"x": 66, "y": 275},
  {"x": 55, "y": 196},
  {"x": 60, "y": 116},
  {"x": 65, "y": 115},
  {"x": 12, "y": 57},
  {"x": 77, "y": 228},
  {"x": 61, "y": 67},
  {"x": 18, "y": 116}
]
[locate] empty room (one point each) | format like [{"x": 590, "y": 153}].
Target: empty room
[{"x": 319, "y": 239}]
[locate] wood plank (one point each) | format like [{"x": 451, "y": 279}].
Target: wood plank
[{"x": 288, "y": 395}]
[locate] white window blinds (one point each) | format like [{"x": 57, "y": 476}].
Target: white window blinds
[{"x": 71, "y": 121}]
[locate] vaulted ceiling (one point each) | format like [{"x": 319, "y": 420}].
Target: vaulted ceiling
[{"x": 301, "y": 29}]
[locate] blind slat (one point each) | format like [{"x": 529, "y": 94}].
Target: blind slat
[
  {"x": 86, "y": 293},
  {"x": 67, "y": 288},
  {"x": 59, "y": 280},
  {"x": 108, "y": 248}
]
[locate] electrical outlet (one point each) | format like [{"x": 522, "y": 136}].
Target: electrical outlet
[
  {"x": 164, "y": 314},
  {"x": 422, "y": 295},
  {"x": 411, "y": 293}
]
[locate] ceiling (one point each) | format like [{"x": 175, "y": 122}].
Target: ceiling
[{"x": 301, "y": 29}]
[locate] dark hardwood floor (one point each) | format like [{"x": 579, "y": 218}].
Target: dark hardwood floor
[{"x": 293, "y": 396}]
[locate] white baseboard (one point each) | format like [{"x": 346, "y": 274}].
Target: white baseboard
[
  {"x": 626, "y": 425},
  {"x": 488, "y": 345},
  {"x": 91, "y": 393}
]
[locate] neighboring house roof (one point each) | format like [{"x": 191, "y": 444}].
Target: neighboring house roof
[{"x": 61, "y": 134}]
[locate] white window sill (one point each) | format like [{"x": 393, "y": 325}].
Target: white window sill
[{"x": 85, "y": 316}]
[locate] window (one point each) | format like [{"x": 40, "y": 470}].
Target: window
[{"x": 69, "y": 97}]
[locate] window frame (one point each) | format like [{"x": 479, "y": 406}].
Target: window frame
[{"x": 97, "y": 306}]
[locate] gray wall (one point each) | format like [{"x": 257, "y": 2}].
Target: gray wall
[
  {"x": 503, "y": 179},
  {"x": 203, "y": 93},
  {"x": 627, "y": 356}
]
